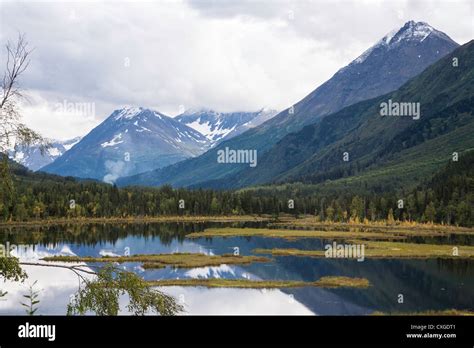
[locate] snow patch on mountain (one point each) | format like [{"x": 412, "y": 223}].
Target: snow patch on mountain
[
  {"x": 70, "y": 143},
  {"x": 218, "y": 126},
  {"x": 128, "y": 113},
  {"x": 115, "y": 141},
  {"x": 19, "y": 156},
  {"x": 54, "y": 152}
]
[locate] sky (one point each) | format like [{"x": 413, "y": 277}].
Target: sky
[{"x": 92, "y": 57}]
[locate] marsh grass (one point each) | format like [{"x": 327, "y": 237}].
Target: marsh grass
[
  {"x": 290, "y": 252},
  {"x": 136, "y": 220},
  {"x": 288, "y": 234},
  {"x": 382, "y": 249},
  {"x": 408, "y": 228},
  {"x": 324, "y": 282},
  {"x": 178, "y": 260}
]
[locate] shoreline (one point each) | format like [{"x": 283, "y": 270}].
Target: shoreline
[
  {"x": 282, "y": 222},
  {"x": 135, "y": 220}
]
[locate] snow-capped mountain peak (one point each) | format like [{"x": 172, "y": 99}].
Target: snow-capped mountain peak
[
  {"x": 411, "y": 31},
  {"x": 135, "y": 113},
  {"x": 127, "y": 112}
]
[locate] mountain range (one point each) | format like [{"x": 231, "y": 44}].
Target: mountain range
[
  {"x": 131, "y": 140},
  {"x": 135, "y": 139},
  {"x": 33, "y": 158},
  {"x": 389, "y": 64}
]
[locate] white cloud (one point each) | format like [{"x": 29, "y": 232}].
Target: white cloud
[
  {"x": 45, "y": 112},
  {"x": 236, "y": 55}
]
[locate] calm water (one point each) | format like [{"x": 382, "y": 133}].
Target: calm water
[{"x": 424, "y": 284}]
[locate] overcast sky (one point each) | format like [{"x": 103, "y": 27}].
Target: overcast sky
[{"x": 226, "y": 55}]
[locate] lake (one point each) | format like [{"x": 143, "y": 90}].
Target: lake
[{"x": 426, "y": 284}]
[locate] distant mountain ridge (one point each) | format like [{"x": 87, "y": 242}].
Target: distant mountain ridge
[
  {"x": 184, "y": 136},
  {"x": 219, "y": 126},
  {"x": 386, "y": 66},
  {"x": 131, "y": 140},
  {"x": 33, "y": 159}
]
